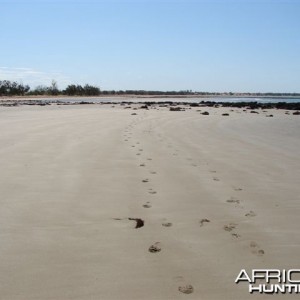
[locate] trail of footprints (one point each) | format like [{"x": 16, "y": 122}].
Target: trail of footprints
[
  {"x": 157, "y": 246},
  {"x": 230, "y": 227}
]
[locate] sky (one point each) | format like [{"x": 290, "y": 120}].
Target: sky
[{"x": 221, "y": 46}]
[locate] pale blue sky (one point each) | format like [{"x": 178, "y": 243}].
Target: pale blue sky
[{"x": 154, "y": 45}]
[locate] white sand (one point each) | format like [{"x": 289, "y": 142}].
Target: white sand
[{"x": 68, "y": 171}]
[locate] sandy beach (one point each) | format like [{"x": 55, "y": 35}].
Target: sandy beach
[{"x": 211, "y": 195}]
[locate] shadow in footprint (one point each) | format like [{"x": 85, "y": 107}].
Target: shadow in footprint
[
  {"x": 229, "y": 227},
  {"x": 152, "y": 192},
  {"x": 237, "y": 189},
  {"x": 202, "y": 221},
  {"x": 255, "y": 249},
  {"x": 186, "y": 289},
  {"x": 236, "y": 235},
  {"x": 156, "y": 247},
  {"x": 233, "y": 200},
  {"x": 251, "y": 213}
]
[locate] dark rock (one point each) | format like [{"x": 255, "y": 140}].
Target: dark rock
[{"x": 176, "y": 109}]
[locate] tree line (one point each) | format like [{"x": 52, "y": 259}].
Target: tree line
[
  {"x": 13, "y": 88},
  {"x": 8, "y": 88}
]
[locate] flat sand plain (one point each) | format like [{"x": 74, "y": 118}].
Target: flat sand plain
[{"x": 215, "y": 194}]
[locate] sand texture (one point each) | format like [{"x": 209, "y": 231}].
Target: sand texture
[{"x": 101, "y": 202}]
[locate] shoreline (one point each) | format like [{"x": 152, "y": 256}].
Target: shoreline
[
  {"x": 5, "y": 98},
  {"x": 252, "y": 105}
]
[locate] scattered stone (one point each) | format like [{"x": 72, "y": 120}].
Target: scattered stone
[
  {"x": 139, "y": 222},
  {"x": 176, "y": 109},
  {"x": 205, "y": 113}
]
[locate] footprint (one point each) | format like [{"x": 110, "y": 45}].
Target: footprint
[
  {"x": 251, "y": 213},
  {"x": 236, "y": 235},
  {"x": 216, "y": 179},
  {"x": 152, "y": 192},
  {"x": 202, "y": 221},
  {"x": 254, "y": 246},
  {"x": 213, "y": 171},
  {"x": 152, "y": 172},
  {"x": 142, "y": 165},
  {"x": 229, "y": 227},
  {"x": 149, "y": 158},
  {"x": 147, "y": 205},
  {"x": 145, "y": 180},
  {"x": 167, "y": 224},
  {"x": 233, "y": 200},
  {"x": 186, "y": 289},
  {"x": 237, "y": 189},
  {"x": 156, "y": 247}
]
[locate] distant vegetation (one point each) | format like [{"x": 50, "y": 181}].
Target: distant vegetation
[{"x": 8, "y": 88}]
